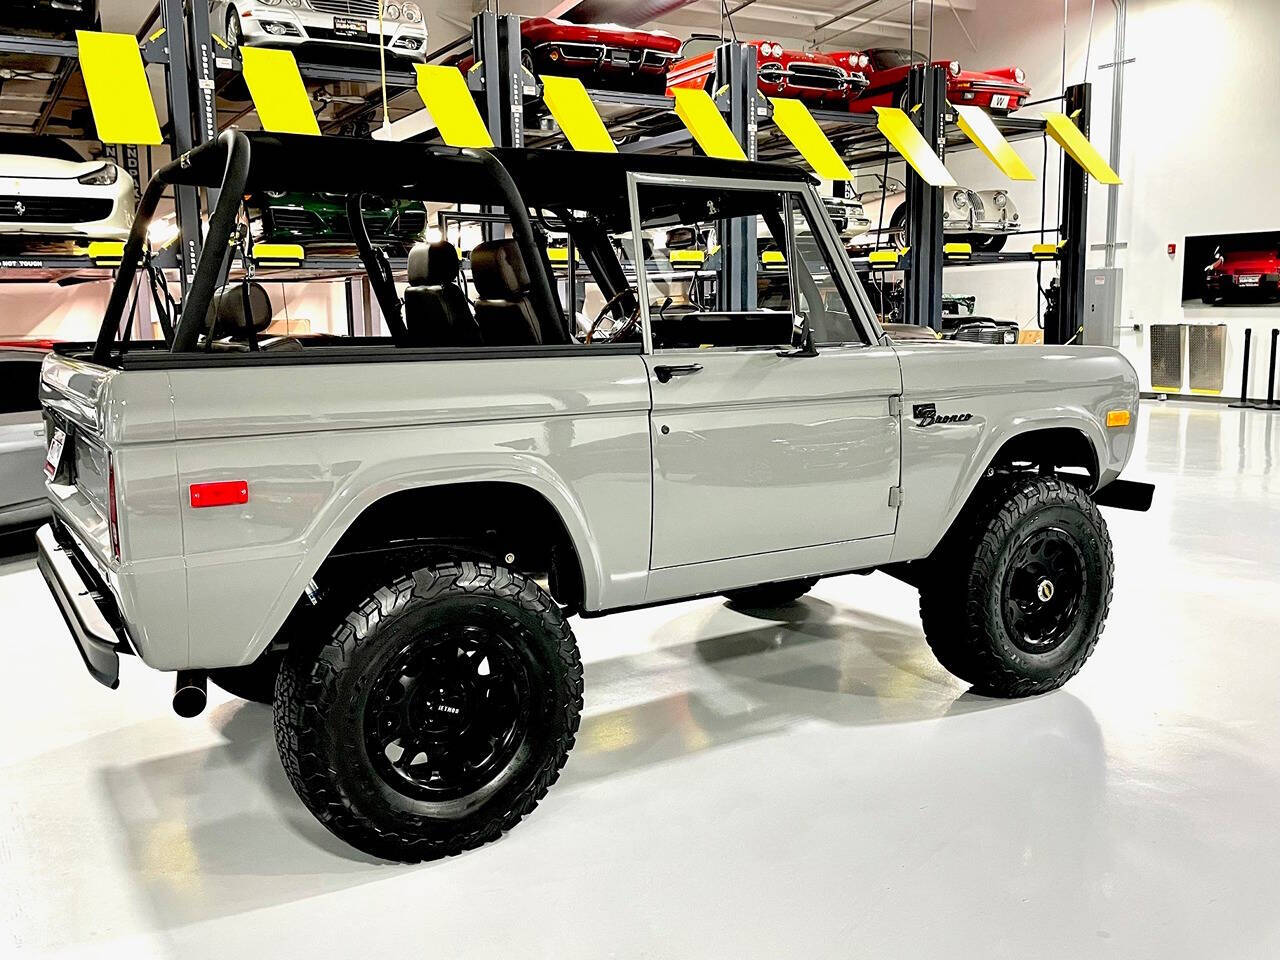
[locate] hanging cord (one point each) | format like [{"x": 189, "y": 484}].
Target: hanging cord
[
  {"x": 382, "y": 69},
  {"x": 1088, "y": 49}
]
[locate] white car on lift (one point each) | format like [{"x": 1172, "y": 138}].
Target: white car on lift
[
  {"x": 332, "y": 25},
  {"x": 983, "y": 218},
  {"x": 48, "y": 190}
]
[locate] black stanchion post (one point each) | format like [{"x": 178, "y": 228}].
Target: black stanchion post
[
  {"x": 1244, "y": 375},
  {"x": 1271, "y": 376}
]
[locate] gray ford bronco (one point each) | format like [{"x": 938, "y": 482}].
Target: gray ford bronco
[{"x": 385, "y": 535}]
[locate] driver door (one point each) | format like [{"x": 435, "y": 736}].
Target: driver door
[{"x": 760, "y": 449}]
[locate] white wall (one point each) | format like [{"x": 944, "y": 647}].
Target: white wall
[{"x": 1200, "y": 133}]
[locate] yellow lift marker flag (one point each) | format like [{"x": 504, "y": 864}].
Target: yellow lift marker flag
[
  {"x": 794, "y": 119},
  {"x": 907, "y": 140},
  {"x": 1068, "y": 135},
  {"x": 444, "y": 91},
  {"x": 979, "y": 128},
  {"x": 278, "y": 92},
  {"x": 572, "y": 108},
  {"x": 699, "y": 113},
  {"x": 116, "y": 82}
]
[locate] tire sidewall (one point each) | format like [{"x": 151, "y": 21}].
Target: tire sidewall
[
  {"x": 324, "y": 688},
  {"x": 1068, "y": 517},
  {"x": 346, "y": 723}
]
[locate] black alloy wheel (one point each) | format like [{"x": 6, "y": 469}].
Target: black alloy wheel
[
  {"x": 1042, "y": 590},
  {"x": 449, "y": 713}
]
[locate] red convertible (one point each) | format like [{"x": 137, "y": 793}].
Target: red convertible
[
  {"x": 825, "y": 80},
  {"x": 1242, "y": 275},
  {"x": 600, "y": 54},
  {"x": 998, "y": 91}
]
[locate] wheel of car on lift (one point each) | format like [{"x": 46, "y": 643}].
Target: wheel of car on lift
[
  {"x": 771, "y": 594},
  {"x": 987, "y": 242},
  {"x": 1018, "y": 592},
  {"x": 255, "y": 682},
  {"x": 235, "y": 35},
  {"x": 526, "y": 60},
  {"x": 435, "y": 714},
  {"x": 898, "y": 233}
]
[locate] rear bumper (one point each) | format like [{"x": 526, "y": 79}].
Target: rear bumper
[{"x": 85, "y": 608}]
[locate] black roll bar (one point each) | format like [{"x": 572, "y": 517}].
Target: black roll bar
[
  {"x": 217, "y": 242},
  {"x": 236, "y": 146}
]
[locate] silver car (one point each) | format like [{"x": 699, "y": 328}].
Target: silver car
[
  {"x": 339, "y": 25},
  {"x": 22, "y": 440}
]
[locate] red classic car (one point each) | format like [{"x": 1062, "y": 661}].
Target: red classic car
[
  {"x": 601, "y": 54},
  {"x": 998, "y": 91},
  {"x": 1242, "y": 274},
  {"x": 823, "y": 79}
]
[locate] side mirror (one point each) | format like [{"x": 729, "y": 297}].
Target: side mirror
[{"x": 805, "y": 336}]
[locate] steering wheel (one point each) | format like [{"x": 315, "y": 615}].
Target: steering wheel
[{"x": 610, "y": 329}]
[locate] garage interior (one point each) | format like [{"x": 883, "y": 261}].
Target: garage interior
[{"x": 803, "y": 780}]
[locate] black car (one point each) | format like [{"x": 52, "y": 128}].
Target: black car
[{"x": 58, "y": 18}]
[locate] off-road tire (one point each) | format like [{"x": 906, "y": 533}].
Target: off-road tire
[
  {"x": 255, "y": 682},
  {"x": 962, "y": 600},
  {"x": 323, "y": 685},
  {"x": 771, "y": 594}
]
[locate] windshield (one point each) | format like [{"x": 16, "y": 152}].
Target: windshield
[
  {"x": 888, "y": 59},
  {"x": 25, "y": 145}
]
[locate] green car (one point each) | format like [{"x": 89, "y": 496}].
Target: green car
[{"x": 322, "y": 218}]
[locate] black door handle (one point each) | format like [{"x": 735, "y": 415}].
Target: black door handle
[{"x": 665, "y": 373}]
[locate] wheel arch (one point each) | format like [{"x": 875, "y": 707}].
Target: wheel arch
[
  {"x": 1046, "y": 441},
  {"x": 423, "y": 499}
]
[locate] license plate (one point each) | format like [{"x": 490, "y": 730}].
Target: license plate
[
  {"x": 54, "y": 458},
  {"x": 621, "y": 58},
  {"x": 1000, "y": 101},
  {"x": 1248, "y": 280},
  {"x": 347, "y": 26}
]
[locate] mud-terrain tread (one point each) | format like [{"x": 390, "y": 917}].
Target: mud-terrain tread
[
  {"x": 307, "y": 682},
  {"x": 952, "y": 608}
]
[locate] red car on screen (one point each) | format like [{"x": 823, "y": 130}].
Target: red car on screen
[
  {"x": 1242, "y": 275},
  {"x": 829, "y": 81},
  {"x": 600, "y": 54},
  {"x": 998, "y": 91}
]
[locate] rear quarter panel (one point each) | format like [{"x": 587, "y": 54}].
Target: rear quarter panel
[
  {"x": 320, "y": 443},
  {"x": 1008, "y": 391}
]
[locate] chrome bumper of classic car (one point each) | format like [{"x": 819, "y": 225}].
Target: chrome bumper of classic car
[
  {"x": 602, "y": 55},
  {"x": 817, "y": 77},
  {"x": 993, "y": 226}
]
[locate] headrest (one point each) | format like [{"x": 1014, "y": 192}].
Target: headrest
[
  {"x": 433, "y": 264},
  {"x": 227, "y": 306},
  {"x": 498, "y": 270}
]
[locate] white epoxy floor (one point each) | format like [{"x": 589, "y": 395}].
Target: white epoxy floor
[{"x": 813, "y": 787}]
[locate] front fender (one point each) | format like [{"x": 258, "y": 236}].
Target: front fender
[{"x": 1010, "y": 391}]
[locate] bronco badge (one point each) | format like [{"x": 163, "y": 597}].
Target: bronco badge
[{"x": 927, "y": 415}]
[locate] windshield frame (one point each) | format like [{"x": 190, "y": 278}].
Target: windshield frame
[{"x": 842, "y": 272}]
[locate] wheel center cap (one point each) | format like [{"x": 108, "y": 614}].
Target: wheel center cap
[{"x": 1044, "y": 590}]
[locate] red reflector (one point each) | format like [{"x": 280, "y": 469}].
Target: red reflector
[{"x": 226, "y": 493}]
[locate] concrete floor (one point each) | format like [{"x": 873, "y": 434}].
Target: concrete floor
[{"x": 815, "y": 786}]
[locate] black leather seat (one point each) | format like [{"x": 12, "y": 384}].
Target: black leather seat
[
  {"x": 436, "y": 313},
  {"x": 504, "y": 311}
]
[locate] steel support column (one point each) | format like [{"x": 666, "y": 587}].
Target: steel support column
[
  {"x": 1074, "y": 227},
  {"x": 495, "y": 39},
  {"x": 181, "y": 112},
  {"x": 922, "y": 303},
  {"x": 736, "y": 76}
]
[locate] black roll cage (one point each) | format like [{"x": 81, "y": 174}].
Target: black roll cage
[{"x": 234, "y": 150}]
